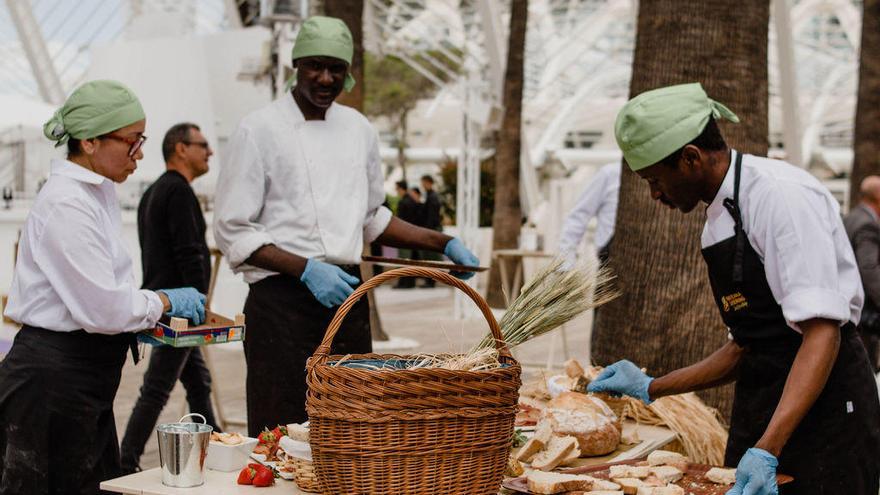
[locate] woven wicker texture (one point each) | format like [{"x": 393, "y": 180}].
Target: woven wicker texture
[{"x": 410, "y": 431}]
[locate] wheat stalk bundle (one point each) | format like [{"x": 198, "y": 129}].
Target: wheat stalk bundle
[{"x": 556, "y": 295}]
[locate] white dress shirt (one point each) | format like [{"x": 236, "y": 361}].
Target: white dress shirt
[
  {"x": 599, "y": 200},
  {"x": 311, "y": 187},
  {"x": 73, "y": 271},
  {"x": 794, "y": 225}
]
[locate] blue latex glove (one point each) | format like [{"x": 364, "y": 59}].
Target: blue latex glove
[
  {"x": 186, "y": 302},
  {"x": 623, "y": 377},
  {"x": 756, "y": 474},
  {"x": 460, "y": 255},
  {"x": 329, "y": 284}
]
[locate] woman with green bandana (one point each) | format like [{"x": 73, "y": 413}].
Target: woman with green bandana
[
  {"x": 73, "y": 292},
  {"x": 787, "y": 286}
]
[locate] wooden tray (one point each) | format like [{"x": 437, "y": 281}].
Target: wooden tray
[
  {"x": 694, "y": 481},
  {"x": 442, "y": 265}
]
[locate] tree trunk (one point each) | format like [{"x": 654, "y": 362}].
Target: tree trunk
[
  {"x": 352, "y": 13},
  {"x": 666, "y": 318},
  {"x": 866, "y": 139},
  {"x": 401, "y": 141},
  {"x": 507, "y": 216}
]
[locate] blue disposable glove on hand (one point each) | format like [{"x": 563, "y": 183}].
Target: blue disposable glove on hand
[
  {"x": 186, "y": 302},
  {"x": 623, "y": 377},
  {"x": 460, "y": 255},
  {"x": 329, "y": 284},
  {"x": 756, "y": 474}
]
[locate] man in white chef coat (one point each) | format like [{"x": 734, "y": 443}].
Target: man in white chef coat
[{"x": 299, "y": 195}]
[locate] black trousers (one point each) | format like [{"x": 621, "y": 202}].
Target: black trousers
[
  {"x": 285, "y": 324},
  {"x": 57, "y": 431},
  {"x": 167, "y": 365}
]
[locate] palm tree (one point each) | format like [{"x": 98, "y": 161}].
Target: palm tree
[
  {"x": 867, "y": 126},
  {"x": 507, "y": 216},
  {"x": 666, "y": 317}
]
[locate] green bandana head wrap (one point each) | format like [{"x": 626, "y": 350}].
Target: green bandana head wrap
[
  {"x": 94, "y": 109},
  {"x": 325, "y": 37},
  {"x": 656, "y": 123}
]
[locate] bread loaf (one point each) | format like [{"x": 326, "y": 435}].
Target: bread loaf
[{"x": 586, "y": 418}]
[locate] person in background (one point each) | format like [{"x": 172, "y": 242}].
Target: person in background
[
  {"x": 73, "y": 291},
  {"x": 409, "y": 209},
  {"x": 171, "y": 231},
  {"x": 599, "y": 201},
  {"x": 299, "y": 195},
  {"x": 432, "y": 219},
  {"x": 863, "y": 229}
]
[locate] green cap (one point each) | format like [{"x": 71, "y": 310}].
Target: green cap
[
  {"x": 94, "y": 109},
  {"x": 321, "y": 36},
  {"x": 656, "y": 123}
]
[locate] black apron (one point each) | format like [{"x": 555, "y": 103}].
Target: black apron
[
  {"x": 836, "y": 448},
  {"x": 285, "y": 326},
  {"x": 58, "y": 433}
]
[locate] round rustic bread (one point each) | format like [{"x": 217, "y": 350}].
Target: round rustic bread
[{"x": 586, "y": 418}]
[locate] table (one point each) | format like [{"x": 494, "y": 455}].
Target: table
[
  {"x": 149, "y": 482},
  {"x": 510, "y": 288}
]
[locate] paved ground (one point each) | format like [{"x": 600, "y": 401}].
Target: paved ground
[{"x": 424, "y": 315}]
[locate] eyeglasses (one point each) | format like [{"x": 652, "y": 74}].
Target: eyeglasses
[
  {"x": 203, "y": 144},
  {"x": 135, "y": 143}
]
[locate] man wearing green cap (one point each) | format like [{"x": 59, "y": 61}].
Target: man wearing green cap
[
  {"x": 299, "y": 194},
  {"x": 787, "y": 286},
  {"x": 73, "y": 292}
]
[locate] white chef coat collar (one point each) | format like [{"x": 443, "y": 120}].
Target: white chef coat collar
[
  {"x": 69, "y": 169},
  {"x": 296, "y": 113},
  {"x": 716, "y": 207}
]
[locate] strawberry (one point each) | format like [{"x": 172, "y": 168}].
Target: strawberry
[
  {"x": 247, "y": 475},
  {"x": 279, "y": 432},
  {"x": 266, "y": 437},
  {"x": 264, "y": 477}
]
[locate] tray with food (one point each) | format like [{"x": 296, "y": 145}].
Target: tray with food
[
  {"x": 661, "y": 473},
  {"x": 217, "y": 329}
]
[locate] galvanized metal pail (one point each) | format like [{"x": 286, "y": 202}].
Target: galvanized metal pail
[{"x": 182, "y": 451}]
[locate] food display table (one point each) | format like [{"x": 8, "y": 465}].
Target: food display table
[{"x": 216, "y": 483}]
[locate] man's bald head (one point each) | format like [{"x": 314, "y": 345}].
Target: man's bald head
[{"x": 870, "y": 189}]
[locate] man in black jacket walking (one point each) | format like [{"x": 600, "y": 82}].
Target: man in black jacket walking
[
  {"x": 171, "y": 230},
  {"x": 863, "y": 228}
]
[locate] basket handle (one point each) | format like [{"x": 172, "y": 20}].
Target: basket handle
[{"x": 323, "y": 350}]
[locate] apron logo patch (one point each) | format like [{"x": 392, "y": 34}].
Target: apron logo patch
[{"x": 735, "y": 301}]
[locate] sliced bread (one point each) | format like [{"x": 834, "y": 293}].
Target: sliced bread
[
  {"x": 667, "y": 474},
  {"x": 661, "y": 490},
  {"x": 539, "y": 441},
  {"x": 629, "y": 471},
  {"x": 630, "y": 486},
  {"x": 722, "y": 476},
  {"x": 667, "y": 458},
  {"x": 559, "y": 449},
  {"x": 551, "y": 483}
]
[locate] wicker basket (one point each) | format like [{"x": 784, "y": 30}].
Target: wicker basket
[{"x": 410, "y": 431}]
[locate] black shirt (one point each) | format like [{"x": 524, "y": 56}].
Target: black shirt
[
  {"x": 432, "y": 210},
  {"x": 171, "y": 230}
]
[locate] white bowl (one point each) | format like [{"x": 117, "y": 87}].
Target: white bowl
[{"x": 223, "y": 457}]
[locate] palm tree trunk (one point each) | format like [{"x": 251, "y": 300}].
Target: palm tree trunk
[
  {"x": 352, "y": 12},
  {"x": 401, "y": 141},
  {"x": 867, "y": 125},
  {"x": 507, "y": 217},
  {"x": 666, "y": 318}
]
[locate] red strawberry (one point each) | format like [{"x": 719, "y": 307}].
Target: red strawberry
[
  {"x": 266, "y": 437},
  {"x": 246, "y": 476},
  {"x": 278, "y": 432},
  {"x": 264, "y": 477}
]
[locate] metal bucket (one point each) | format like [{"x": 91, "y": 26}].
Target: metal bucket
[{"x": 182, "y": 451}]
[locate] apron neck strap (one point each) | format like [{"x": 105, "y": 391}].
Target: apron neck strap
[{"x": 732, "y": 206}]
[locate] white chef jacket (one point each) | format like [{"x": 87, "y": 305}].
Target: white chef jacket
[
  {"x": 794, "y": 225},
  {"x": 311, "y": 187},
  {"x": 73, "y": 271},
  {"x": 598, "y": 200}
]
